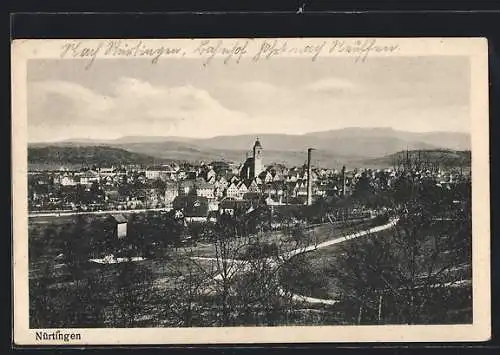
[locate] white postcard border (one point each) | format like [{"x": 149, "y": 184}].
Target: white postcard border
[{"x": 474, "y": 48}]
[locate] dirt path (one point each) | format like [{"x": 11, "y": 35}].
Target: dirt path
[{"x": 311, "y": 248}]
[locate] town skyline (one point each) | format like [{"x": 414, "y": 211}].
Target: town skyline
[{"x": 181, "y": 98}]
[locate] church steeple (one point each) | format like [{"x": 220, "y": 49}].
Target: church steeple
[
  {"x": 257, "y": 144},
  {"x": 257, "y": 158}
]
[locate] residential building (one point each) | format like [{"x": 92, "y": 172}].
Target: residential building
[
  {"x": 171, "y": 192},
  {"x": 88, "y": 177},
  {"x": 186, "y": 187},
  {"x": 192, "y": 207},
  {"x": 68, "y": 181},
  {"x": 242, "y": 189},
  {"x": 232, "y": 190},
  {"x": 204, "y": 189}
]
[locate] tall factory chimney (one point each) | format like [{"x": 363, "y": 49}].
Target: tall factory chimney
[
  {"x": 343, "y": 181},
  {"x": 309, "y": 177}
]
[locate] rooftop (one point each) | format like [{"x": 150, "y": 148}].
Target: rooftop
[{"x": 119, "y": 218}]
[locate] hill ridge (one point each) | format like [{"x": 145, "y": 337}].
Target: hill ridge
[{"x": 54, "y": 156}]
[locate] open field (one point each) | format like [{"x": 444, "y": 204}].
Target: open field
[
  {"x": 56, "y": 285},
  {"x": 149, "y": 290},
  {"x": 443, "y": 277},
  {"x": 150, "y": 293},
  {"x": 283, "y": 240}
]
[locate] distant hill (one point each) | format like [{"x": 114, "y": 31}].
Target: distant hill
[
  {"x": 361, "y": 142},
  {"x": 332, "y": 148},
  {"x": 194, "y": 153},
  {"x": 40, "y": 156},
  {"x": 351, "y": 146},
  {"x": 353, "y": 141},
  {"x": 448, "y": 140},
  {"x": 445, "y": 157}
]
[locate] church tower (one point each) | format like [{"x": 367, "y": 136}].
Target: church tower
[{"x": 257, "y": 159}]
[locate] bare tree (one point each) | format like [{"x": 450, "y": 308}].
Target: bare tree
[
  {"x": 185, "y": 294},
  {"x": 132, "y": 293},
  {"x": 228, "y": 244},
  {"x": 241, "y": 277},
  {"x": 404, "y": 275}
]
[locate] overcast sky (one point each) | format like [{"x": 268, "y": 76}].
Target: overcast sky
[{"x": 180, "y": 97}]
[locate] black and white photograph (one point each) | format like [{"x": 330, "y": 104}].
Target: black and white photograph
[{"x": 251, "y": 185}]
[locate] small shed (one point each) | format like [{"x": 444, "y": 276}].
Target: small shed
[{"x": 121, "y": 225}]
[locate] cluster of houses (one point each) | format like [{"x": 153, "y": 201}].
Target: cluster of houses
[{"x": 163, "y": 186}]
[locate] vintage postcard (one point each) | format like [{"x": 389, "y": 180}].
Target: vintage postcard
[{"x": 216, "y": 191}]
